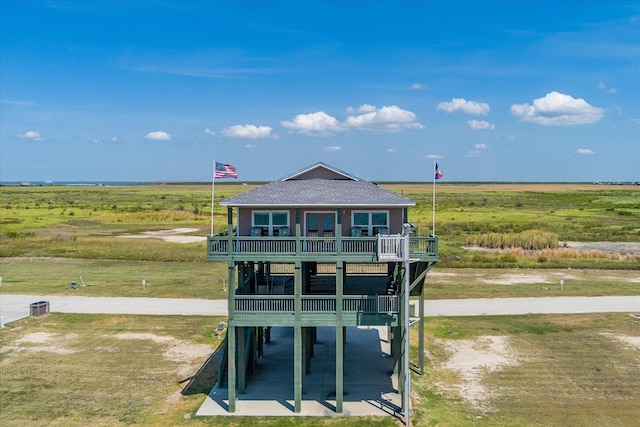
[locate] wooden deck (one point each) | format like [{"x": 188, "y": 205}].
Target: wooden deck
[{"x": 350, "y": 249}]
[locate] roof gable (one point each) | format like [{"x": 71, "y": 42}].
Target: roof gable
[
  {"x": 319, "y": 185},
  {"x": 320, "y": 170}
]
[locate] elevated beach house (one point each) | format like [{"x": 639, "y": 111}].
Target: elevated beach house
[{"x": 319, "y": 248}]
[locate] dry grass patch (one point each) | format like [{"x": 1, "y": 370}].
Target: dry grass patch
[
  {"x": 471, "y": 360},
  {"x": 110, "y": 370},
  {"x": 532, "y": 370}
]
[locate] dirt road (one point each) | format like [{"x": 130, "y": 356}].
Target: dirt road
[{"x": 14, "y": 307}]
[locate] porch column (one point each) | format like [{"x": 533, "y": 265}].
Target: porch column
[
  {"x": 307, "y": 345},
  {"x": 421, "y": 333},
  {"x": 229, "y": 230},
  {"x": 297, "y": 368},
  {"x": 339, "y": 369},
  {"x": 339, "y": 337},
  {"x": 231, "y": 365},
  {"x": 260, "y": 338},
  {"x": 297, "y": 338},
  {"x": 242, "y": 360},
  {"x": 298, "y": 233},
  {"x": 339, "y": 231},
  {"x": 231, "y": 338}
]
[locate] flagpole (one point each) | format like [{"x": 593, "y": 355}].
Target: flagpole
[
  {"x": 433, "y": 214},
  {"x": 213, "y": 186}
]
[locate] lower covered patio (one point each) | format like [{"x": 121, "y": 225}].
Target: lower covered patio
[{"x": 370, "y": 387}]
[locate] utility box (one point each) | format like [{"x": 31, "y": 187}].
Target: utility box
[{"x": 39, "y": 308}]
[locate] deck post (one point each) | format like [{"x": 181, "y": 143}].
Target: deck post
[
  {"x": 297, "y": 368},
  {"x": 297, "y": 338},
  {"x": 339, "y": 337},
  {"x": 339, "y": 369},
  {"x": 298, "y": 233},
  {"x": 406, "y": 392},
  {"x": 229, "y": 230},
  {"x": 231, "y": 366},
  {"x": 242, "y": 362},
  {"x": 421, "y": 333},
  {"x": 339, "y": 231}
]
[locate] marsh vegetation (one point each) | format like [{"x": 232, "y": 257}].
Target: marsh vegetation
[{"x": 67, "y": 369}]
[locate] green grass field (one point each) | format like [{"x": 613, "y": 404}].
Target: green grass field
[
  {"x": 53, "y": 235},
  {"x": 99, "y": 370},
  {"x": 47, "y": 276},
  {"x": 85, "y": 222},
  {"x": 67, "y": 369}
]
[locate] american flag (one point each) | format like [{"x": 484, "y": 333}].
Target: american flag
[{"x": 224, "y": 170}]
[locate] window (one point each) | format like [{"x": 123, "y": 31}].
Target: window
[
  {"x": 269, "y": 222},
  {"x": 371, "y": 222}
]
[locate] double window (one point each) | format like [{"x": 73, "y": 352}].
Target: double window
[
  {"x": 270, "y": 223},
  {"x": 370, "y": 223}
]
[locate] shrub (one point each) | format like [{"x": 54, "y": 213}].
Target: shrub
[
  {"x": 528, "y": 239},
  {"x": 508, "y": 258}
]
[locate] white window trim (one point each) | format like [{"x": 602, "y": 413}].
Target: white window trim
[
  {"x": 370, "y": 227},
  {"x": 271, "y": 226}
]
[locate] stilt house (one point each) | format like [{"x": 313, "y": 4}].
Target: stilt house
[{"x": 319, "y": 247}]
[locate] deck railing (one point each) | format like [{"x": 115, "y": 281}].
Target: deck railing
[
  {"x": 315, "y": 305},
  {"x": 379, "y": 247}
]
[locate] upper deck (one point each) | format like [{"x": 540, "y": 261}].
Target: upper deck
[{"x": 380, "y": 248}]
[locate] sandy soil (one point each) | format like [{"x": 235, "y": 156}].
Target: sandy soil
[
  {"x": 182, "y": 353},
  {"x": 176, "y": 235},
  {"x": 630, "y": 341},
  {"x": 185, "y": 355},
  {"x": 526, "y": 277},
  {"x": 472, "y": 360}
]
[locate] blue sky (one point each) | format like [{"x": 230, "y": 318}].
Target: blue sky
[{"x": 158, "y": 90}]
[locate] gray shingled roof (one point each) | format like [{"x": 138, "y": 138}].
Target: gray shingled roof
[{"x": 318, "y": 192}]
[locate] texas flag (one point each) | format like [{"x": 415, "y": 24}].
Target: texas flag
[{"x": 438, "y": 173}]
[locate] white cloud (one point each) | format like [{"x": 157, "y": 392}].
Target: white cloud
[
  {"x": 481, "y": 146},
  {"x": 158, "y": 136},
  {"x": 418, "y": 86},
  {"x": 585, "y": 151},
  {"x": 366, "y": 108},
  {"x": 391, "y": 150},
  {"x": 333, "y": 148},
  {"x": 389, "y": 118},
  {"x": 248, "y": 132},
  {"x": 101, "y": 140},
  {"x": 481, "y": 125},
  {"x": 473, "y": 153},
  {"x": 468, "y": 107},
  {"x": 250, "y": 146},
  {"x": 30, "y": 134},
  {"x": 209, "y": 132},
  {"x": 602, "y": 86},
  {"x": 313, "y": 124},
  {"x": 557, "y": 109},
  {"x": 434, "y": 156}
]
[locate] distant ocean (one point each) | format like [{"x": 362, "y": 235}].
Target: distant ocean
[{"x": 76, "y": 183}]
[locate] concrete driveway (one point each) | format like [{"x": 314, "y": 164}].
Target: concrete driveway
[{"x": 15, "y": 307}]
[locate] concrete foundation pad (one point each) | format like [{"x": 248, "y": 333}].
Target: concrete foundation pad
[{"x": 370, "y": 388}]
